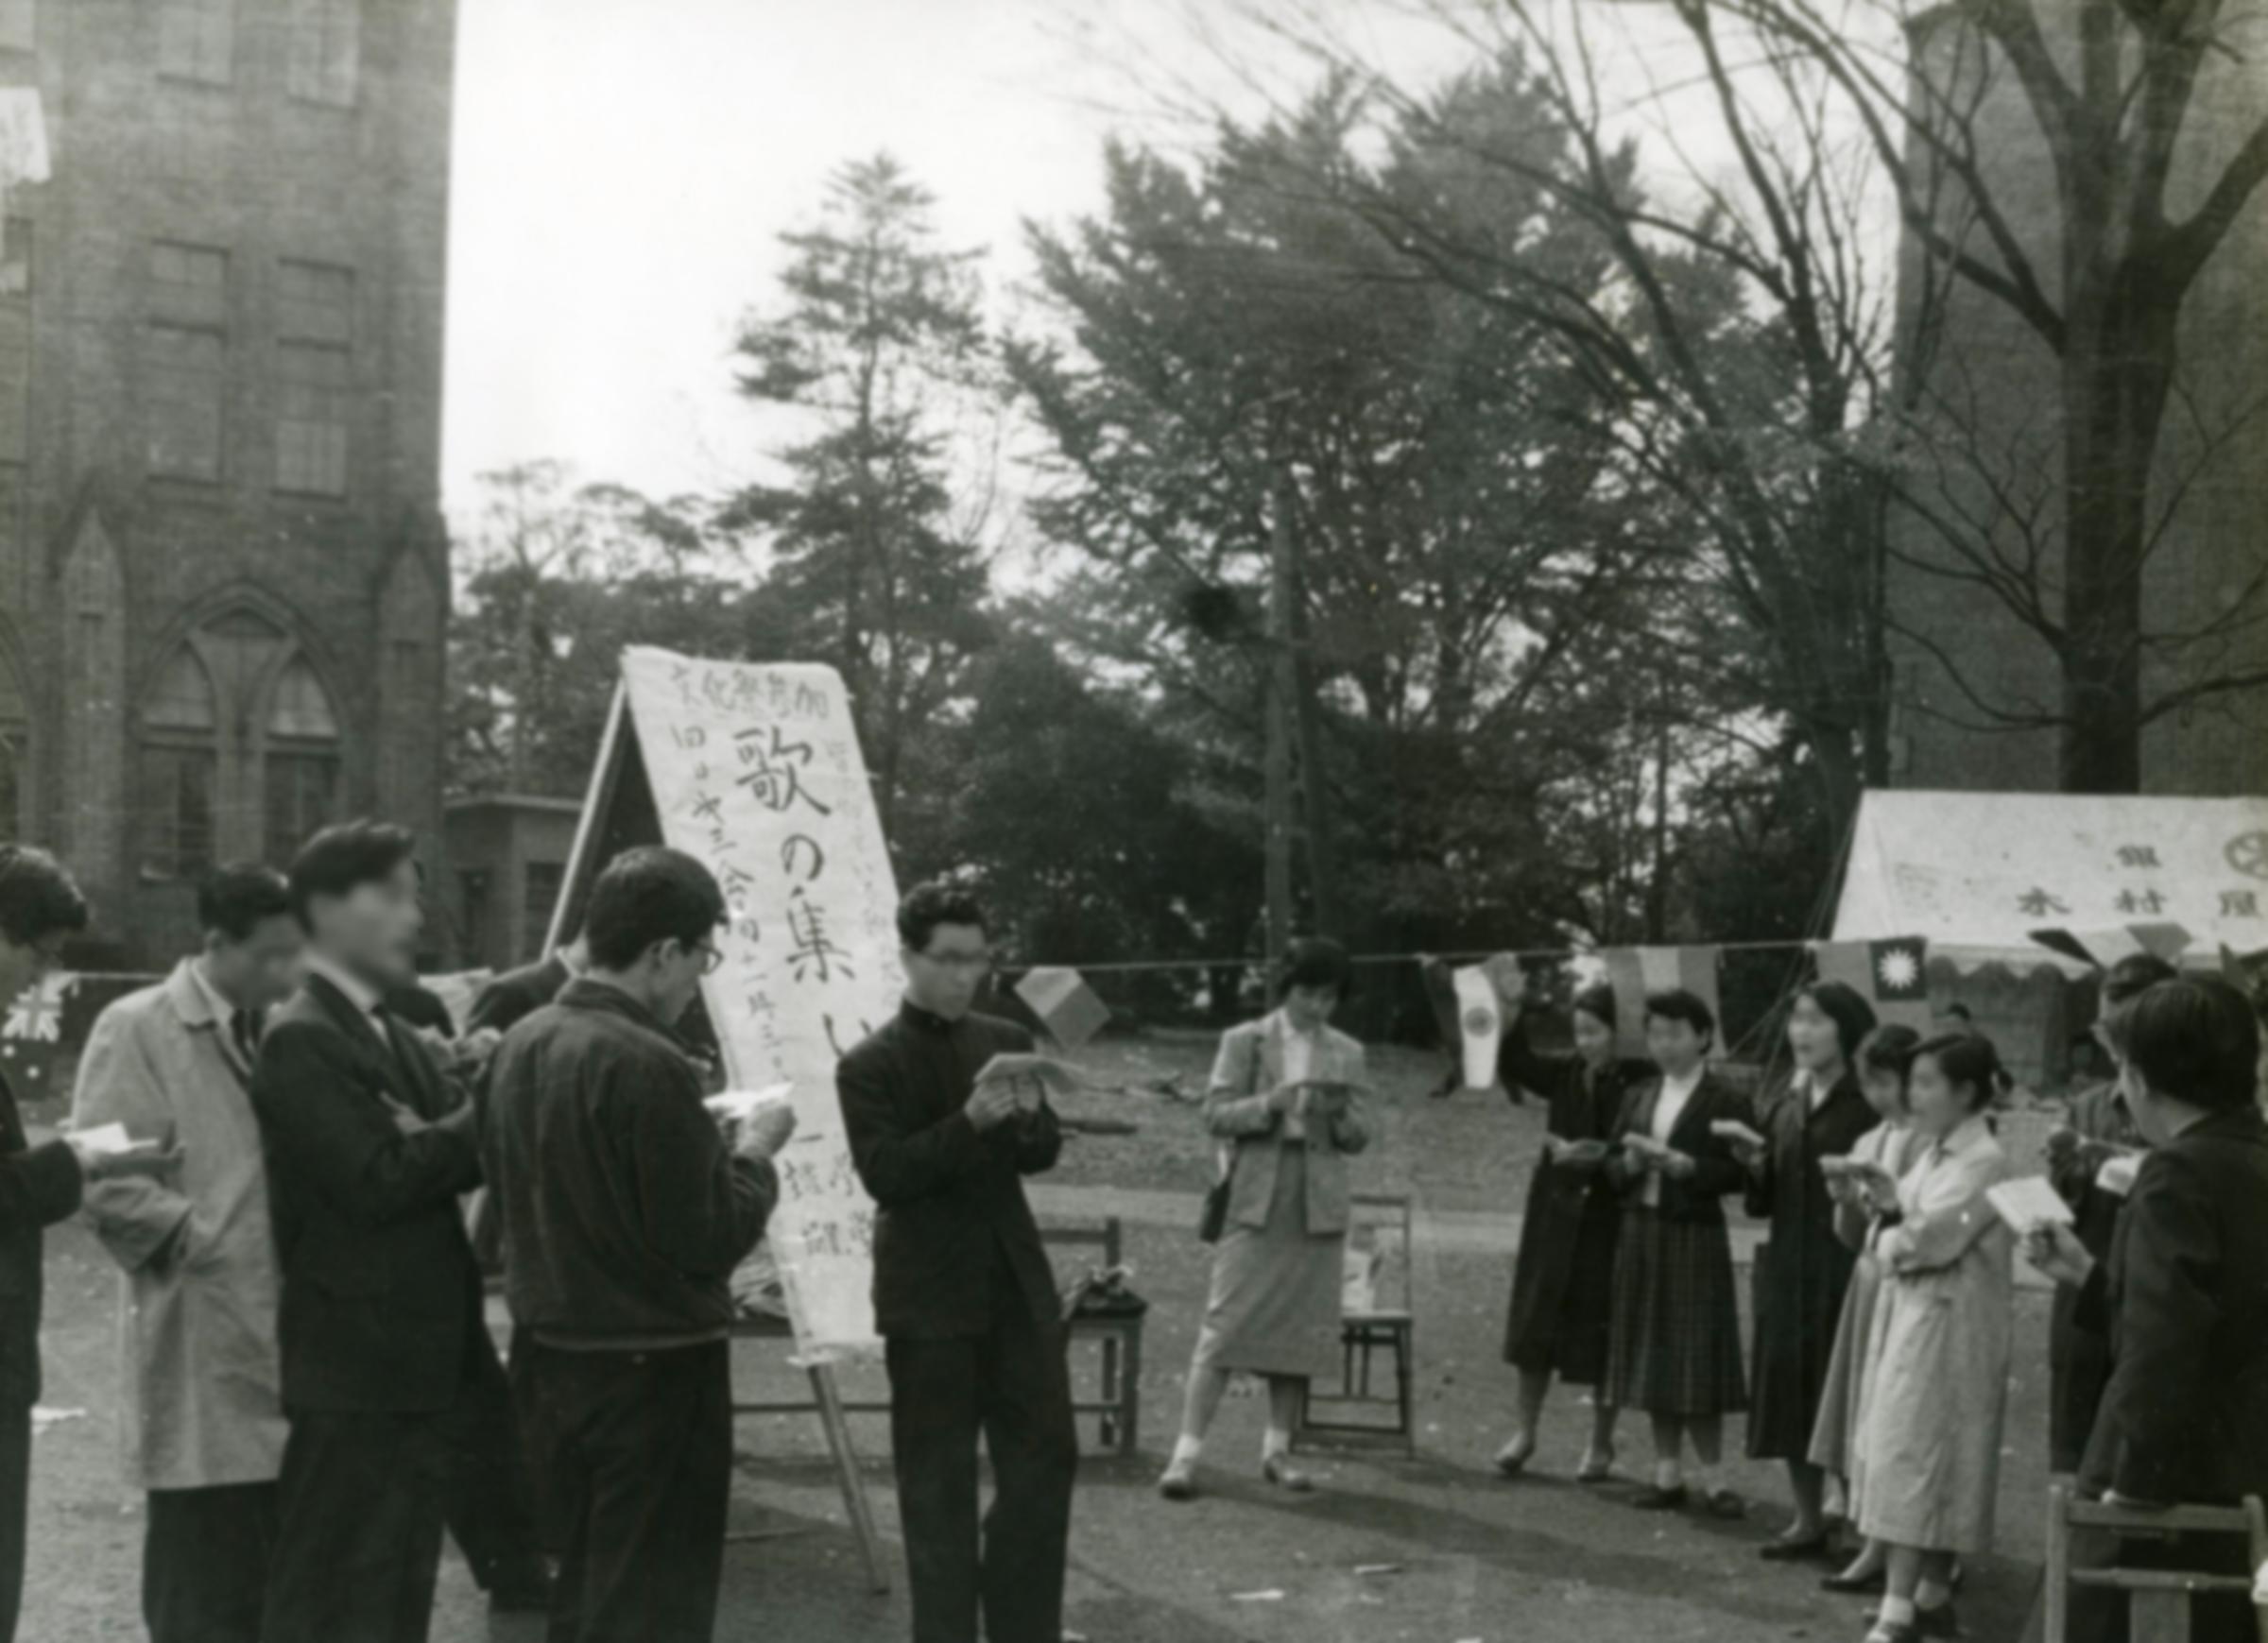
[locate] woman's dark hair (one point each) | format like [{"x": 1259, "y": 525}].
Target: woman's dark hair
[
  {"x": 1595, "y": 1001},
  {"x": 2133, "y": 975},
  {"x": 233, "y": 900},
  {"x": 2195, "y": 1039},
  {"x": 1840, "y": 1002},
  {"x": 1315, "y": 961},
  {"x": 1679, "y": 1005},
  {"x": 38, "y": 897},
  {"x": 648, "y": 895},
  {"x": 1889, "y": 1049},
  {"x": 1968, "y": 1058},
  {"x": 926, "y": 906},
  {"x": 340, "y": 859}
]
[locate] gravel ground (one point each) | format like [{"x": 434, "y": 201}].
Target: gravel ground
[{"x": 1433, "y": 1549}]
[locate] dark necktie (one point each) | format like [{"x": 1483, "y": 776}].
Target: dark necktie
[{"x": 244, "y": 1027}]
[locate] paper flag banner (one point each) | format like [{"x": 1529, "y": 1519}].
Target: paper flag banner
[
  {"x": 1892, "y": 974},
  {"x": 1635, "y": 971},
  {"x": 1066, "y": 1005},
  {"x": 2104, "y": 947},
  {"x": 1480, "y": 1025}
]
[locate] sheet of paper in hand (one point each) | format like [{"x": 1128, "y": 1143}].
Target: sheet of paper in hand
[
  {"x": 1479, "y": 1024},
  {"x": 756, "y": 772},
  {"x": 1033, "y": 1073},
  {"x": 2028, "y": 1202},
  {"x": 1739, "y": 1133},
  {"x": 733, "y": 1105},
  {"x": 1071, "y": 1010},
  {"x": 107, "y": 1140}
]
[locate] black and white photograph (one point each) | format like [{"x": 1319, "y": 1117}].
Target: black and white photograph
[{"x": 1133, "y": 821}]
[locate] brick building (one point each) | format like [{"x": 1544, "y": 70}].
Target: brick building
[
  {"x": 2213, "y": 454},
  {"x": 223, "y": 571}
]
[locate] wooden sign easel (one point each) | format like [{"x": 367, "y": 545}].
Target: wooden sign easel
[{"x": 621, "y": 812}]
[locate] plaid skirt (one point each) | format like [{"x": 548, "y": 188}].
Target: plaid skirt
[{"x": 1675, "y": 1347}]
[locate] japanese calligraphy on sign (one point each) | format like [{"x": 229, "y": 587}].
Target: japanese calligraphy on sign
[{"x": 756, "y": 771}]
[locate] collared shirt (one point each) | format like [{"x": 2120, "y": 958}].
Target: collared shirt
[
  {"x": 224, "y": 1016},
  {"x": 1302, "y": 1051},
  {"x": 1669, "y": 1106},
  {"x": 356, "y": 991}
]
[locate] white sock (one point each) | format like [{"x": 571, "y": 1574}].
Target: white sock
[
  {"x": 1929, "y": 1594},
  {"x": 1277, "y": 1446},
  {"x": 1898, "y": 1611},
  {"x": 1187, "y": 1449},
  {"x": 1668, "y": 1475}
]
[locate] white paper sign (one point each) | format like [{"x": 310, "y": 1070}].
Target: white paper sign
[
  {"x": 756, "y": 771},
  {"x": 1480, "y": 1025}
]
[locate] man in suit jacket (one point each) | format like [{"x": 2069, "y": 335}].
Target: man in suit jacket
[
  {"x": 202, "y": 1419},
  {"x": 520, "y": 993},
  {"x": 40, "y": 909},
  {"x": 964, "y": 1296},
  {"x": 2183, "y": 1300},
  {"x": 368, "y": 1147}
]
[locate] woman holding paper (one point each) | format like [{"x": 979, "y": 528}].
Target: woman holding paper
[
  {"x": 1930, "y": 1436},
  {"x": 1675, "y": 1333},
  {"x": 1870, "y": 1172},
  {"x": 1802, "y": 1269},
  {"x": 1285, "y": 1102},
  {"x": 1563, "y": 1281}
]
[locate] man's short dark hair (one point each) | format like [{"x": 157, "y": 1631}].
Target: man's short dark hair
[
  {"x": 233, "y": 900},
  {"x": 38, "y": 897},
  {"x": 1316, "y": 961},
  {"x": 2195, "y": 1039},
  {"x": 2133, "y": 975},
  {"x": 926, "y": 906},
  {"x": 648, "y": 895},
  {"x": 340, "y": 859},
  {"x": 1679, "y": 1004}
]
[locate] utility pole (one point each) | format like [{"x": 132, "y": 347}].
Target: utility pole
[{"x": 1283, "y": 683}]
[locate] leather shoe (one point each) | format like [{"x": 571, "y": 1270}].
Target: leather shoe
[{"x": 1654, "y": 1497}]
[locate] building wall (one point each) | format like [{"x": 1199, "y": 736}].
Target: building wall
[
  {"x": 2213, "y": 454},
  {"x": 507, "y": 861},
  {"x": 307, "y": 142}
]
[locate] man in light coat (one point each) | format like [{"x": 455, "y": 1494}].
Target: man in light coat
[{"x": 202, "y": 1416}]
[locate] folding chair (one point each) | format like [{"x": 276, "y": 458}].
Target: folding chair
[
  {"x": 1375, "y": 1317},
  {"x": 2158, "y": 1600},
  {"x": 1118, "y": 1399}
]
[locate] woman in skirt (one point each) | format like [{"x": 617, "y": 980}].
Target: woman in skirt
[
  {"x": 1563, "y": 1281},
  {"x": 1802, "y": 1269},
  {"x": 1675, "y": 1338},
  {"x": 1285, "y": 1101},
  {"x": 1884, "y": 1151},
  {"x": 1930, "y": 1438}
]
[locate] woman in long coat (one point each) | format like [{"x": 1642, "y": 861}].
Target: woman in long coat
[
  {"x": 1286, "y": 1101},
  {"x": 1888, "y": 1150},
  {"x": 1674, "y": 1346},
  {"x": 1931, "y": 1431},
  {"x": 1563, "y": 1281},
  {"x": 1803, "y": 1269}
]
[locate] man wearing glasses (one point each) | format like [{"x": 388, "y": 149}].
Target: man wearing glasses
[
  {"x": 625, "y": 1210},
  {"x": 964, "y": 1296}
]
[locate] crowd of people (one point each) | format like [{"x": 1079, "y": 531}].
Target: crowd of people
[{"x": 278, "y": 1159}]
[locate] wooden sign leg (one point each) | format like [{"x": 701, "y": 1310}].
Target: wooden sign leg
[{"x": 846, "y": 1467}]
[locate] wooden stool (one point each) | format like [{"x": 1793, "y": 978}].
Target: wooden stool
[
  {"x": 1375, "y": 1317},
  {"x": 2157, "y": 1600},
  {"x": 1118, "y": 1397}
]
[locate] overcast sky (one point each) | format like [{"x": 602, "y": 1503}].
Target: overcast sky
[{"x": 624, "y": 169}]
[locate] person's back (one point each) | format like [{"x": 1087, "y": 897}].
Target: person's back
[{"x": 623, "y": 1214}]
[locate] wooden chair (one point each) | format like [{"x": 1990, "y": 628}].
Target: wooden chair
[
  {"x": 1375, "y": 1317},
  {"x": 2157, "y": 1600},
  {"x": 1118, "y": 1399}
]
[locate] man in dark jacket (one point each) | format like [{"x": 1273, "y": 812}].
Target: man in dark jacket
[
  {"x": 2101, "y": 1129},
  {"x": 624, "y": 1213},
  {"x": 964, "y": 1296},
  {"x": 2183, "y": 1300},
  {"x": 39, "y": 909},
  {"x": 517, "y": 994},
  {"x": 368, "y": 1147}
]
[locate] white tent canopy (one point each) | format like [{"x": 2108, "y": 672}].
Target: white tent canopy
[{"x": 1976, "y": 873}]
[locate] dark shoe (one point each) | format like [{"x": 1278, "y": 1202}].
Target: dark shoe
[
  {"x": 1512, "y": 1459},
  {"x": 1787, "y": 1550},
  {"x": 521, "y": 1590},
  {"x": 1937, "y": 1622},
  {"x": 1279, "y": 1470},
  {"x": 1724, "y": 1503},
  {"x": 1597, "y": 1471},
  {"x": 1889, "y": 1632},
  {"x": 1654, "y": 1497},
  {"x": 1851, "y": 1585},
  {"x": 1179, "y": 1483}
]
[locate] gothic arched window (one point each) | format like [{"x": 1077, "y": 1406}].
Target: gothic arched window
[
  {"x": 180, "y": 759},
  {"x": 301, "y": 759}
]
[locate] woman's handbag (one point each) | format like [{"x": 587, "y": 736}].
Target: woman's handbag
[{"x": 1213, "y": 1220}]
